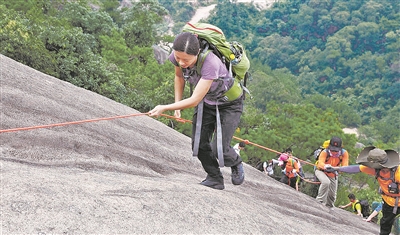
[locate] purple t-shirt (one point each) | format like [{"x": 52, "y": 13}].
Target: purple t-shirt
[{"x": 212, "y": 69}]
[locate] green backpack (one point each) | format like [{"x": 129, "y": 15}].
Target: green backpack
[{"x": 232, "y": 54}]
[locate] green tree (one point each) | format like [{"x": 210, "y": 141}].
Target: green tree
[
  {"x": 19, "y": 40},
  {"x": 278, "y": 85},
  {"x": 91, "y": 22},
  {"x": 140, "y": 23},
  {"x": 303, "y": 127},
  {"x": 111, "y": 8}
]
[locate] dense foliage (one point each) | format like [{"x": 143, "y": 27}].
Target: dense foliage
[
  {"x": 347, "y": 51},
  {"x": 317, "y": 65}
]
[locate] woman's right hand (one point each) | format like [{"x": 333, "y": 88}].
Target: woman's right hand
[{"x": 157, "y": 111}]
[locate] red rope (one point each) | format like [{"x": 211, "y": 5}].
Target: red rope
[
  {"x": 70, "y": 123},
  {"x": 246, "y": 141},
  {"x": 133, "y": 115}
]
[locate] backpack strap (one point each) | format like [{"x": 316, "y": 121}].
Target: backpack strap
[
  {"x": 393, "y": 179},
  {"x": 200, "y": 60},
  {"x": 392, "y": 174},
  {"x": 340, "y": 156},
  {"x": 354, "y": 207},
  {"x": 327, "y": 155},
  {"x": 355, "y": 210},
  {"x": 199, "y": 64}
]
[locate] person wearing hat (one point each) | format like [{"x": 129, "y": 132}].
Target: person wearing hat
[
  {"x": 290, "y": 168},
  {"x": 383, "y": 164},
  {"x": 334, "y": 155}
]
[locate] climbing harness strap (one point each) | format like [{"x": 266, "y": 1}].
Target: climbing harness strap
[
  {"x": 196, "y": 141},
  {"x": 220, "y": 151},
  {"x": 197, "y": 134}
]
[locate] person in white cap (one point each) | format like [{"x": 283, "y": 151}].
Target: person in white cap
[{"x": 383, "y": 164}]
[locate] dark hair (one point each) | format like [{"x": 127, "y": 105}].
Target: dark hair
[
  {"x": 351, "y": 196},
  {"x": 242, "y": 144},
  {"x": 288, "y": 150},
  {"x": 186, "y": 42}
]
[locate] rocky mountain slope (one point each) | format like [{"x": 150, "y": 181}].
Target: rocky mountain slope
[{"x": 130, "y": 175}]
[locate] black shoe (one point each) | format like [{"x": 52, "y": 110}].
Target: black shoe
[
  {"x": 214, "y": 182},
  {"x": 237, "y": 174}
]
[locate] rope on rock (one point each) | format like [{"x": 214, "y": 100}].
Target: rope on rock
[
  {"x": 70, "y": 123},
  {"x": 134, "y": 115}
]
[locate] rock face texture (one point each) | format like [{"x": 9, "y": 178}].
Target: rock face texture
[{"x": 129, "y": 175}]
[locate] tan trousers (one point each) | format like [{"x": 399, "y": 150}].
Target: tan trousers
[{"x": 327, "y": 189}]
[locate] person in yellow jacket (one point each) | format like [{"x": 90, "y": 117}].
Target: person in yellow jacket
[
  {"x": 354, "y": 203},
  {"x": 332, "y": 156},
  {"x": 383, "y": 164},
  {"x": 291, "y": 169}
]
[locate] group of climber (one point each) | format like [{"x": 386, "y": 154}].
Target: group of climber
[
  {"x": 218, "y": 107},
  {"x": 361, "y": 208},
  {"x": 292, "y": 171},
  {"x": 333, "y": 159},
  {"x": 382, "y": 164}
]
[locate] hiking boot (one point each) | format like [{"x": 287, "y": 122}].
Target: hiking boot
[
  {"x": 214, "y": 182},
  {"x": 237, "y": 174}
]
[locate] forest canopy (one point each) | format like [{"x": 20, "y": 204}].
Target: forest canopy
[{"x": 317, "y": 66}]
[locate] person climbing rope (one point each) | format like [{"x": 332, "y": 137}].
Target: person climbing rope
[
  {"x": 354, "y": 203},
  {"x": 332, "y": 156},
  {"x": 290, "y": 168},
  {"x": 384, "y": 165},
  {"x": 212, "y": 110}
]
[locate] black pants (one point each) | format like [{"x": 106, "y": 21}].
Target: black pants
[
  {"x": 230, "y": 117},
  {"x": 289, "y": 181},
  {"x": 387, "y": 218}
]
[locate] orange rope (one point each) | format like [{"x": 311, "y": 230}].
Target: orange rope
[
  {"x": 246, "y": 141},
  {"x": 70, "y": 123},
  {"x": 132, "y": 115},
  {"x": 271, "y": 150},
  {"x": 177, "y": 119},
  {"x": 308, "y": 181}
]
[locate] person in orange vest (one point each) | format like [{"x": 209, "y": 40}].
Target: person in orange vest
[
  {"x": 290, "y": 168},
  {"x": 332, "y": 156},
  {"x": 384, "y": 165}
]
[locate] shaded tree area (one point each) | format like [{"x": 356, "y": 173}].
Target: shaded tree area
[
  {"x": 78, "y": 43},
  {"x": 328, "y": 63},
  {"x": 342, "y": 53}
]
